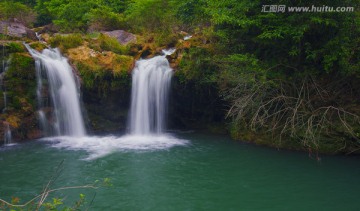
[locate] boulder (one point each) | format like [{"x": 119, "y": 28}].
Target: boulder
[
  {"x": 16, "y": 29},
  {"x": 49, "y": 29},
  {"x": 122, "y": 36}
]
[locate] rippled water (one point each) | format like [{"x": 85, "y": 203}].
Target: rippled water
[{"x": 182, "y": 172}]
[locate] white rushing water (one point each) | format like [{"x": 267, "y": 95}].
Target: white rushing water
[
  {"x": 188, "y": 37},
  {"x": 7, "y": 134},
  {"x": 7, "y": 138},
  {"x": 97, "y": 146},
  {"x": 151, "y": 84},
  {"x": 149, "y": 96},
  {"x": 55, "y": 70}
]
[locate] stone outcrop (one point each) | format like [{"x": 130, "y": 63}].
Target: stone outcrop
[
  {"x": 49, "y": 29},
  {"x": 122, "y": 36},
  {"x": 15, "y": 29}
]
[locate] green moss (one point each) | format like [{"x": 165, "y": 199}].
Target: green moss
[
  {"x": 111, "y": 44},
  {"x": 20, "y": 79},
  {"x": 95, "y": 76},
  {"x": 38, "y": 46},
  {"x": 15, "y": 47},
  {"x": 89, "y": 73},
  {"x": 93, "y": 35},
  {"x": 167, "y": 39},
  {"x": 20, "y": 86},
  {"x": 123, "y": 64},
  {"x": 3, "y": 37},
  {"x": 65, "y": 42}
]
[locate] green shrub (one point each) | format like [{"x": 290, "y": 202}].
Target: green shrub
[
  {"x": 104, "y": 19},
  {"x": 69, "y": 15},
  {"x": 160, "y": 19},
  {"x": 15, "y": 10}
]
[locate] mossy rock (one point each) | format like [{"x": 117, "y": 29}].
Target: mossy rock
[
  {"x": 20, "y": 79},
  {"x": 15, "y": 47},
  {"x": 20, "y": 86},
  {"x": 14, "y": 121},
  {"x": 101, "y": 71},
  {"x": 101, "y": 61},
  {"x": 39, "y": 46},
  {"x": 66, "y": 41}
]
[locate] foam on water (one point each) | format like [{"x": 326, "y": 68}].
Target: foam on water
[{"x": 100, "y": 146}]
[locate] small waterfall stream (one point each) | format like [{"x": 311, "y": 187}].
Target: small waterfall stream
[
  {"x": 55, "y": 75},
  {"x": 149, "y": 96},
  {"x": 7, "y": 138}
]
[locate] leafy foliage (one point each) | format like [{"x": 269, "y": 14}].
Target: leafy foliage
[
  {"x": 160, "y": 19},
  {"x": 77, "y": 15},
  {"x": 103, "y": 18},
  {"x": 17, "y": 11},
  {"x": 69, "y": 15},
  {"x": 192, "y": 13},
  {"x": 287, "y": 92}
]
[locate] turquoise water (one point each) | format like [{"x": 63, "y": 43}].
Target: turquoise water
[{"x": 203, "y": 173}]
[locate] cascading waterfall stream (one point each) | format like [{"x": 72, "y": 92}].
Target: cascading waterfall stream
[
  {"x": 7, "y": 138},
  {"x": 150, "y": 89},
  {"x": 67, "y": 117}
]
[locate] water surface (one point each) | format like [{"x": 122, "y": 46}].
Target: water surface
[{"x": 203, "y": 173}]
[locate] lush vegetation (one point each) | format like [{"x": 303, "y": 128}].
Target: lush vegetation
[
  {"x": 291, "y": 77},
  {"x": 16, "y": 10}
]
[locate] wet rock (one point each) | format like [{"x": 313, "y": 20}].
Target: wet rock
[
  {"x": 34, "y": 134},
  {"x": 30, "y": 34},
  {"x": 146, "y": 53},
  {"x": 135, "y": 49}
]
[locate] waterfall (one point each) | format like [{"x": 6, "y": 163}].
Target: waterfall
[
  {"x": 149, "y": 95},
  {"x": 7, "y": 134},
  {"x": 7, "y": 138},
  {"x": 5, "y": 64},
  {"x": 150, "y": 88},
  {"x": 55, "y": 75}
]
